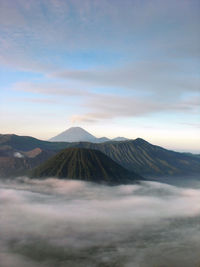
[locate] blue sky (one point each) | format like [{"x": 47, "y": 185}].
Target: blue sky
[{"x": 117, "y": 68}]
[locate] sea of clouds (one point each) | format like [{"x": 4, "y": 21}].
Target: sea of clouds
[{"x": 72, "y": 223}]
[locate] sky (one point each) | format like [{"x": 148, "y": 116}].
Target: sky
[{"x": 114, "y": 67}]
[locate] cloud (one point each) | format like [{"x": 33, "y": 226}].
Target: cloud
[
  {"x": 145, "y": 88},
  {"x": 195, "y": 125},
  {"x": 57, "y": 222},
  {"x": 88, "y": 118},
  {"x": 116, "y": 58},
  {"x": 151, "y": 76},
  {"x": 49, "y": 88},
  {"x": 18, "y": 155},
  {"x": 36, "y": 35},
  {"x": 96, "y": 106},
  {"x": 38, "y": 100},
  {"x": 110, "y": 106}
]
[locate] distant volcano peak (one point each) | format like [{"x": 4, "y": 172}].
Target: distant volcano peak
[
  {"x": 78, "y": 134},
  {"x": 74, "y": 134}
]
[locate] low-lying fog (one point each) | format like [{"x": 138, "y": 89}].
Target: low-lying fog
[{"x": 70, "y": 223}]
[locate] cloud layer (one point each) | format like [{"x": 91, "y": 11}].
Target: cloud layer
[{"x": 55, "y": 222}]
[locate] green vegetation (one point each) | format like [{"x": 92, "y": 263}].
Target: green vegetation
[
  {"x": 26, "y": 143},
  {"x": 147, "y": 159},
  {"x": 84, "y": 164},
  {"x": 135, "y": 155}
]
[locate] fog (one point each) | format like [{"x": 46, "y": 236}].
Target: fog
[{"x": 71, "y": 223}]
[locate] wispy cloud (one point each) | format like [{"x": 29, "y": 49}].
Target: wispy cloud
[
  {"x": 49, "y": 88},
  {"x": 151, "y": 76},
  {"x": 33, "y": 30},
  {"x": 56, "y": 222},
  {"x": 111, "y": 106},
  {"x": 97, "y": 106}
]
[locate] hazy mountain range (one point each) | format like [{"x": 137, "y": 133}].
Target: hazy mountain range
[
  {"x": 20, "y": 154},
  {"x": 78, "y": 134}
]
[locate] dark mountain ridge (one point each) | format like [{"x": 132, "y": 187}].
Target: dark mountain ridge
[
  {"x": 147, "y": 159},
  {"x": 84, "y": 164},
  {"x": 137, "y": 155}
]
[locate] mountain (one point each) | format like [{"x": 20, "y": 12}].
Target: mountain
[
  {"x": 119, "y": 139},
  {"x": 78, "y": 134},
  {"x": 26, "y": 143},
  {"x": 137, "y": 155},
  {"x": 74, "y": 134},
  {"x": 20, "y": 163},
  {"x": 84, "y": 164},
  {"x": 101, "y": 140},
  {"x": 147, "y": 159},
  {"x": 19, "y": 154}
]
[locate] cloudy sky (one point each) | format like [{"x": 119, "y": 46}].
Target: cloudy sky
[{"x": 115, "y": 67}]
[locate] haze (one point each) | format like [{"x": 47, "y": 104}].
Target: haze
[{"x": 72, "y": 223}]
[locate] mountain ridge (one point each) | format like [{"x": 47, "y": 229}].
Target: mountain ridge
[
  {"x": 78, "y": 134},
  {"x": 84, "y": 164},
  {"x": 138, "y": 155}
]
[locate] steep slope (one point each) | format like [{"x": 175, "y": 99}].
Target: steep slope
[
  {"x": 102, "y": 140},
  {"x": 147, "y": 159},
  {"x": 33, "y": 152},
  {"x": 120, "y": 138},
  {"x": 26, "y": 143},
  {"x": 85, "y": 164},
  {"x": 139, "y": 155},
  {"x": 20, "y": 163},
  {"x": 78, "y": 134},
  {"x": 74, "y": 134}
]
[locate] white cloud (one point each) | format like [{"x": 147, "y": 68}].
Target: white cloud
[{"x": 54, "y": 221}]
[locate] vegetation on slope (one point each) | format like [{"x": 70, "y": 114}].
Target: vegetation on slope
[
  {"x": 135, "y": 155},
  {"x": 84, "y": 164},
  {"x": 148, "y": 159}
]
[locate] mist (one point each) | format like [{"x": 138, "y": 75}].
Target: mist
[{"x": 72, "y": 223}]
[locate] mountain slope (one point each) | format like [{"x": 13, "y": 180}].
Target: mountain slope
[
  {"x": 12, "y": 166},
  {"x": 120, "y": 139},
  {"x": 78, "y": 134},
  {"x": 138, "y": 155},
  {"x": 74, "y": 134},
  {"x": 84, "y": 164},
  {"x": 19, "y": 154},
  {"x": 26, "y": 143},
  {"x": 147, "y": 159}
]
